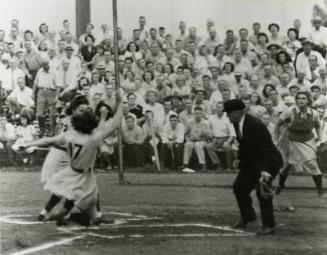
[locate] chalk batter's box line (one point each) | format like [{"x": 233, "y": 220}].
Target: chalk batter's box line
[
  {"x": 72, "y": 231},
  {"x": 120, "y": 222},
  {"x": 11, "y": 218},
  {"x": 65, "y": 241}
]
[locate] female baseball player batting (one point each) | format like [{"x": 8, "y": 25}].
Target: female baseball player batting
[{"x": 76, "y": 182}]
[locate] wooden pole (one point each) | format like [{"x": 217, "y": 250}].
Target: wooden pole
[
  {"x": 117, "y": 81},
  {"x": 83, "y": 15}
]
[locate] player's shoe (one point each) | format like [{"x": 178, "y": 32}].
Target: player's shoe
[
  {"x": 57, "y": 216},
  {"x": 278, "y": 190},
  {"x": 62, "y": 222},
  {"x": 40, "y": 217},
  {"x": 266, "y": 231},
  {"x": 101, "y": 220}
]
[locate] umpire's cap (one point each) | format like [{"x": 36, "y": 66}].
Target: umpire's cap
[{"x": 234, "y": 105}]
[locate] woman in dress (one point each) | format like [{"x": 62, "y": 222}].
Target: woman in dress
[
  {"x": 132, "y": 50},
  {"x": 292, "y": 44},
  {"x": 282, "y": 59},
  {"x": 301, "y": 120},
  {"x": 256, "y": 108},
  {"x": 261, "y": 47},
  {"x": 88, "y": 51}
]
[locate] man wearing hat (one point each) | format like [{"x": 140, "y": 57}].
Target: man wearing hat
[
  {"x": 318, "y": 100},
  {"x": 75, "y": 62},
  {"x": 259, "y": 162},
  {"x": 200, "y": 100},
  {"x": 32, "y": 63},
  {"x": 318, "y": 35},
  {"x": 302, "y": 60},
  {"x": 322, "y": 80}
]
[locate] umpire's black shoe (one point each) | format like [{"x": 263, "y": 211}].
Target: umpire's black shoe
[
  {"x": 244, "y": 223},
  {"x": 240, "y": 224},
  {"x": 266, "y": 231}
]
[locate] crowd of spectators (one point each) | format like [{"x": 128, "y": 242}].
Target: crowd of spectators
[{"x": 173, "y": 88}]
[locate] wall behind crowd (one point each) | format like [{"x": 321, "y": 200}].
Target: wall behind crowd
[{"x": 226, "y": 13}]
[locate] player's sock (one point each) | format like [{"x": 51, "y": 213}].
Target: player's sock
[
  {"x": 282, "y": 180},
  {"x": 98, "y": 212},
  {"x": 69, "y": 205},
  {"x": 53, "y": 201},
  {"x": 318, "y": 182}
]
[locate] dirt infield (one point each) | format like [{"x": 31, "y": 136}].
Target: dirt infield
[{"x": 161, "y": 214}]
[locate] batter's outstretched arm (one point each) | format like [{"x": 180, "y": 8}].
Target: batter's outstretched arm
[
  {"x": 115, "y": 122},
  {"x": 46, "y": 141}
]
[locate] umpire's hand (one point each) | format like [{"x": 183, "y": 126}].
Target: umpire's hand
[{"x": 265, "y": 176}]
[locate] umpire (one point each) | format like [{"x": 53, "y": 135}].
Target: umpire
[{"x": 259, "y": 162}]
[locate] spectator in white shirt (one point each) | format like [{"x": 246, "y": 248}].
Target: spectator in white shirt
[
  {"x": 197, "y": 132},
  {"x": 144, "y": 33},
  {"x": 20, "y": 99},
  {"x": 300, "y": 81},
  {"x": 132, "y": 50},
  {"x": 70, "y": 42},
  {"x": 104, "y": 34},
  {"x": 7, "y": 138},
  {"x": 223, "y": 134},
  {"x": 172, "y": 143},
  {"x": 15, "y": 38},
  {"x": 154, "y": 106},
  {"x": 292, "y": 44},
  {"x": 212, "y": 41},
  {"x": 47, "y": 96},
  {"x": 322, "y": 80},
  {"x": 243, "y": 34},
  {"x": 318, "y": 100},
  {"x": 318, "y": 34},
  {"x": 75, "y": 62},
  {"x": 11, "y": 75},
  {"x": 302, "y": 60},
  {"x": 54, "y": 61},
  {"x": 25, "y": 132},
  {"x": 96, "y": 86}
]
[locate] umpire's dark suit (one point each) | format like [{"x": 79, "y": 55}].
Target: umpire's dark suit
[{"x": 257, "y": 153}]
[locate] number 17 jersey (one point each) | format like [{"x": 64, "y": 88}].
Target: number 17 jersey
[{"x": 82, "y": 149}]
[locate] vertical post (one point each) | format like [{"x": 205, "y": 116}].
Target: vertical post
[
  {"x": 117, "y": 81},
  {"x": 0, "y": 96},
  {"x": 83, "y": 15}
]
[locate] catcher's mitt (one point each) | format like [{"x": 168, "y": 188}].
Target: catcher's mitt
[{"x": 266, "y": 189}]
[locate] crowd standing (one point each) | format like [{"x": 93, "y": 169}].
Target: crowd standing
[{"x": 173, "y": 88}]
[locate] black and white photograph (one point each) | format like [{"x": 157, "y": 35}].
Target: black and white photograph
[{"x": 172, "y": 127}]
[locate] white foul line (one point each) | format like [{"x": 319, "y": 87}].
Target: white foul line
[
  {"x": 167, "y": 235},
  {"x": 204, "y": 225},
  {"x": 47, "y": 245}
]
